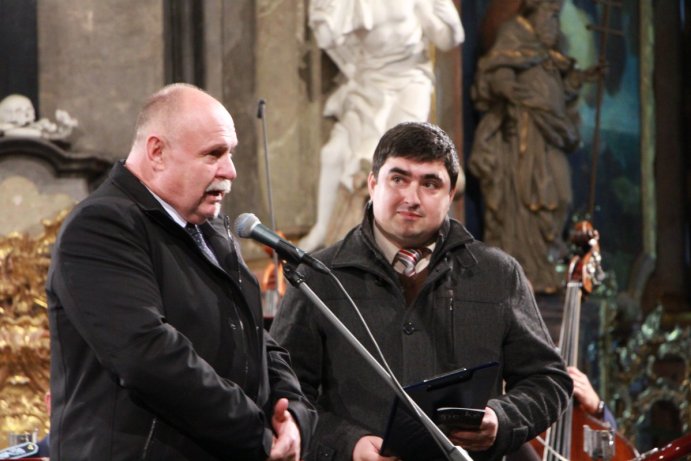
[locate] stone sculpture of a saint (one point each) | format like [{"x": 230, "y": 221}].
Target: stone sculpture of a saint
[{"x": 527, "y": 90}]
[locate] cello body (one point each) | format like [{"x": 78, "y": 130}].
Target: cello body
[{"x": 623, "y": 449}]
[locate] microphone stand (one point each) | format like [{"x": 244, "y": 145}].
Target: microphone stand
[
  {"x": 451, "y": 451},
  {"x": 273, "y": 300}
]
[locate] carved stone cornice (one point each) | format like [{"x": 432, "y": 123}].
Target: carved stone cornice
[{"x": 63, "y": 163}]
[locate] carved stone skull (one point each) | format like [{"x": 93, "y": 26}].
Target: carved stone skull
[{"x": 17, "y": 110}]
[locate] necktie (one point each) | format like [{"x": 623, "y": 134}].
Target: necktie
[
  {"x": 407, "y": 259},
  {"x": 198, "y": 238}
]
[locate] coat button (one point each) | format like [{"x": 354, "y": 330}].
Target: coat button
[{"x": 408, "y": 328}]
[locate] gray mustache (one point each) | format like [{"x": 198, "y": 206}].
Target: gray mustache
[{"x": 223, "y": 186}]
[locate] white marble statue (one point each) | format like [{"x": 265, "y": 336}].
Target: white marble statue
[
  {"x": 381, "y": 48},
  {"x": 18, "y": 118}
]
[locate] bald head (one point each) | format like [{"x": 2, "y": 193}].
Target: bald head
[
  {"x": 167, "y": 109},
  {"x": 183, "y": 145},
  {"x": 168, "y": 116}
]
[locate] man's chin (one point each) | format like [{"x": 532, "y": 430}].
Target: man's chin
[
  {"x": 415, "y": 238},
  {"x": 212, "y": 213}
]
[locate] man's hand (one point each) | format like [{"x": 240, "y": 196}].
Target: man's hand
[
  {"x": 481, "y": 439},
  {"x": 583, "y": 391},
  {"x": 286, "y": 443},
  {"x": 367, "y": 449}
]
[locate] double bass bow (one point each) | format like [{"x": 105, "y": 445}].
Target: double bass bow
[{"x": 576, "y": 435}]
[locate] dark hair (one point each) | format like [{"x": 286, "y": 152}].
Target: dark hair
[{"x": 422, "y": 142}]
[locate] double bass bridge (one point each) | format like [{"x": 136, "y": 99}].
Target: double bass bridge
[{"x": 598, "y": 443}]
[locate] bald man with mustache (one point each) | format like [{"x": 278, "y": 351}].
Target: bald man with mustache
[{"x": 157, "y": 341}]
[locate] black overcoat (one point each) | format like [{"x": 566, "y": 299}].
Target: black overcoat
[{"x": 157, "y": 353}]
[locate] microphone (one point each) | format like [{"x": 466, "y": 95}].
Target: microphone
[{"x": 247, "y": 225}]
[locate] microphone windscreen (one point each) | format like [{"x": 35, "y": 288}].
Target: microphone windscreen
[{"x": 244, "y": 224}]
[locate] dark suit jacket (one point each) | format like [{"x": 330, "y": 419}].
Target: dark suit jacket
[{"x": 157, "y": 353}]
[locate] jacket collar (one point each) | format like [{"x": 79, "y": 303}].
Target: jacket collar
[
  {"x": 130, "y": 185},
  {"x": 349, "y": 252},
  {"x": 216, "y": 231},
  {"x": 127, "y": 182}
]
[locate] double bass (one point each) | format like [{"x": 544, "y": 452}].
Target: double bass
[
  {"x": 578, "y": 436},
  {"x": 673, "y": 450}
]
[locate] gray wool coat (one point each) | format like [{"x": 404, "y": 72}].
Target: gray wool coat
[{"x": 476, "y": 306}]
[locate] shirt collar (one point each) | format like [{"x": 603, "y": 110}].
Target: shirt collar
[
  {"x": 390, "y": 249},
  {"x": 169, "y": 209}
]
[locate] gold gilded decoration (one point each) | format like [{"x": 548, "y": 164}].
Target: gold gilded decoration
[
  {"x": 24, "y": 336},
  {"x": 641, "y": 364}
]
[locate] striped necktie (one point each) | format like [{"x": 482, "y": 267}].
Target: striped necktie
[
  {"x": 198, "y": 238},
  {"x": 407, "y": 259}
]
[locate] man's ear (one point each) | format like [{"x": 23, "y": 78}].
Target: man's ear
[
  {"x": 371, "y": 182},
  {"x": 459, "y": 188},
  {"x": 154, "y": 152}
]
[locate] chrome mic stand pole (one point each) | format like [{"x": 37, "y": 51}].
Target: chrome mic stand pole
[{"x": 261, "y": 115}]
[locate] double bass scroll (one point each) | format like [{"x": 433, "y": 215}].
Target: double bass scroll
[{"x": 585, "y": 267}]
